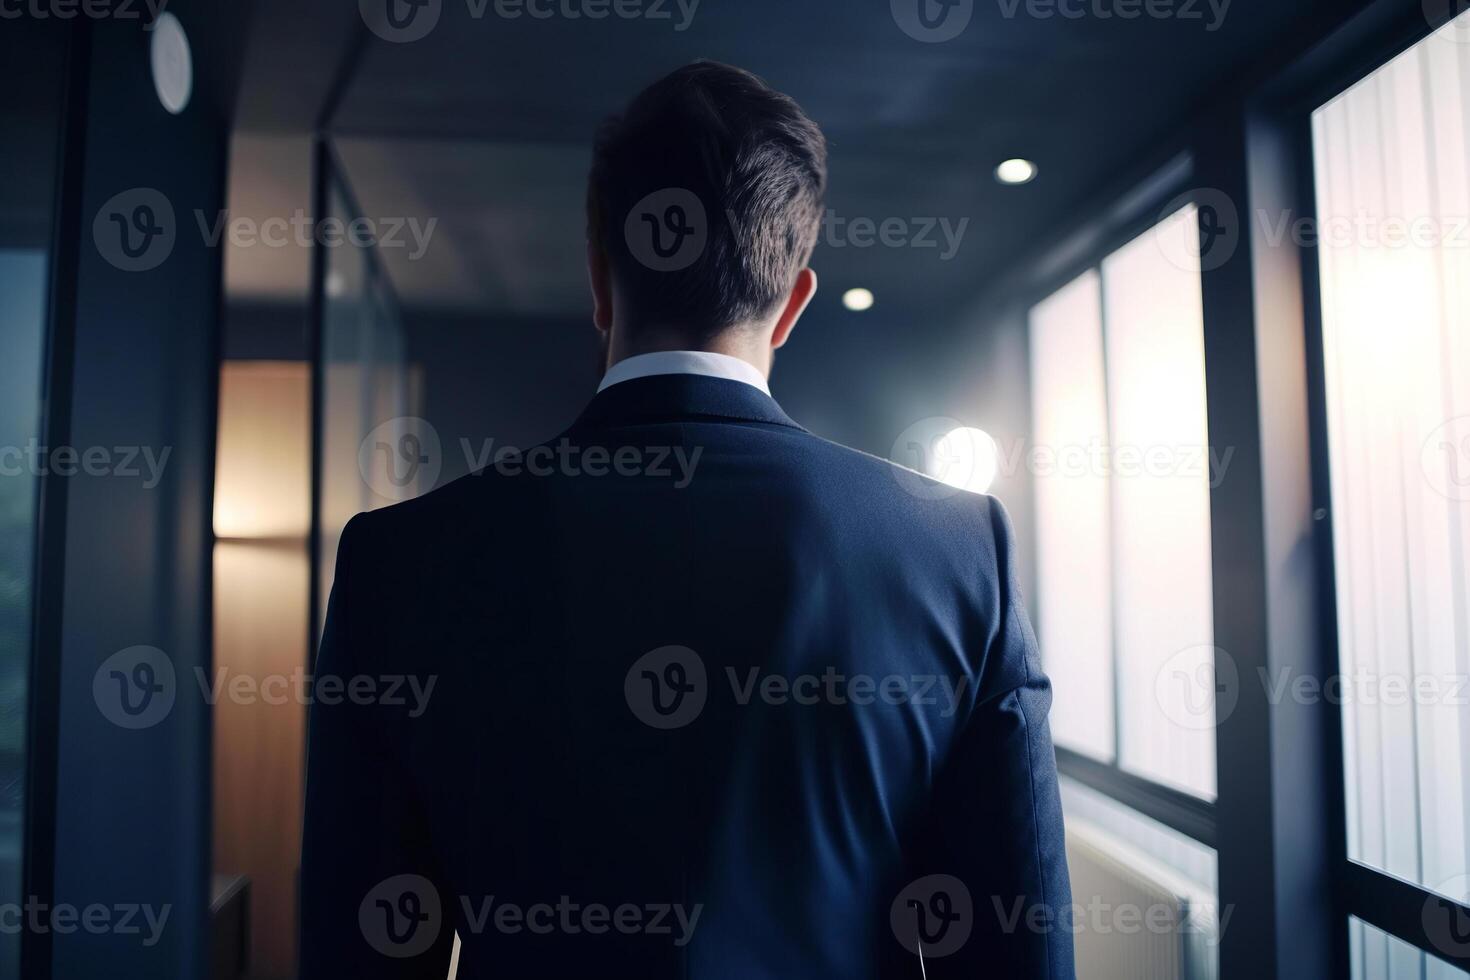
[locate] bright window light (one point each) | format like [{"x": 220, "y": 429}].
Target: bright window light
[
  {"x": 858, "y": 299},
  {"x": 966, "y": 458},
  {"x": 1169, "y": 686},
  {"x": 1393, "y": 187},
  {"x": 1124, "y": 586},
  {"x": 1073, "y": 542}
]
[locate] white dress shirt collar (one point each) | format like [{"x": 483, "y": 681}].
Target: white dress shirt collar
[{"x": 706, "y": 363}]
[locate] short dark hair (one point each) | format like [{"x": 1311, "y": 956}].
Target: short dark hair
[{"x": 718, "y": 139}]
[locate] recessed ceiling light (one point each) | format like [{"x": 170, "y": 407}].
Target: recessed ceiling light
[
  {"x": 172, "y": 65},
  {"x": 858, "y": 299},
  {"x": 1015, "y": 171}
]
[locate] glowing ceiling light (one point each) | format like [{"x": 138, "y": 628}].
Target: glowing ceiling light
[{"x": 1015, "y": 171}]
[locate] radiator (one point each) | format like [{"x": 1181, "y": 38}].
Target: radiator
[{"x": 1136, "y": 918}]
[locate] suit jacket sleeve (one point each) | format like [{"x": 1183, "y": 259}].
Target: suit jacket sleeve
[
  {"x": 998, "y": 814},
  {"x": 373, "y": 904}
]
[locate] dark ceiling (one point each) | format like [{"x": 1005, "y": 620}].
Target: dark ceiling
[{"x": 484, "y": 123}]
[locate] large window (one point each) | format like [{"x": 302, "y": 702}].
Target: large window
[
  {"x": 1392, "y": 157},
  {"x": 1375, "y": 955},
  {"x": 1123, "y": 471}
]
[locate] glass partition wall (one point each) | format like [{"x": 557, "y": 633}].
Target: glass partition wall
[
  {"x": 372, "y": 450},
  {"x": 290, "y": 436}
]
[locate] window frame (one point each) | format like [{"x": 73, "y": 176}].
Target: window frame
[{"x": 1389, "y": 903}]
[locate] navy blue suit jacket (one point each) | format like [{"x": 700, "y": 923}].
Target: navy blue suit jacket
[{"x": 712, "y": 697}]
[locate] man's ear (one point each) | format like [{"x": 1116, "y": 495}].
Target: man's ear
[
  {"x": 802, "y": 292},
  {"x": 599, "y": 277}
]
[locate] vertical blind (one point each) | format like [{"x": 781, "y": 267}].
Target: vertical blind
[{"x": 1392, "y": 158}]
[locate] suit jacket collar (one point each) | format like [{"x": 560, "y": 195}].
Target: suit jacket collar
[
  {"x": 711, "y": 364},
  {"x": 681, "y": 397}
]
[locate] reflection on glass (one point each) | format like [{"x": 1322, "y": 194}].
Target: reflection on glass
[
  {"x": 32, "y": 52},
  {"x": 1393, "y": 196},
  {"x": 22, "y": 328},
  {"x": 366, "y": 399}
]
